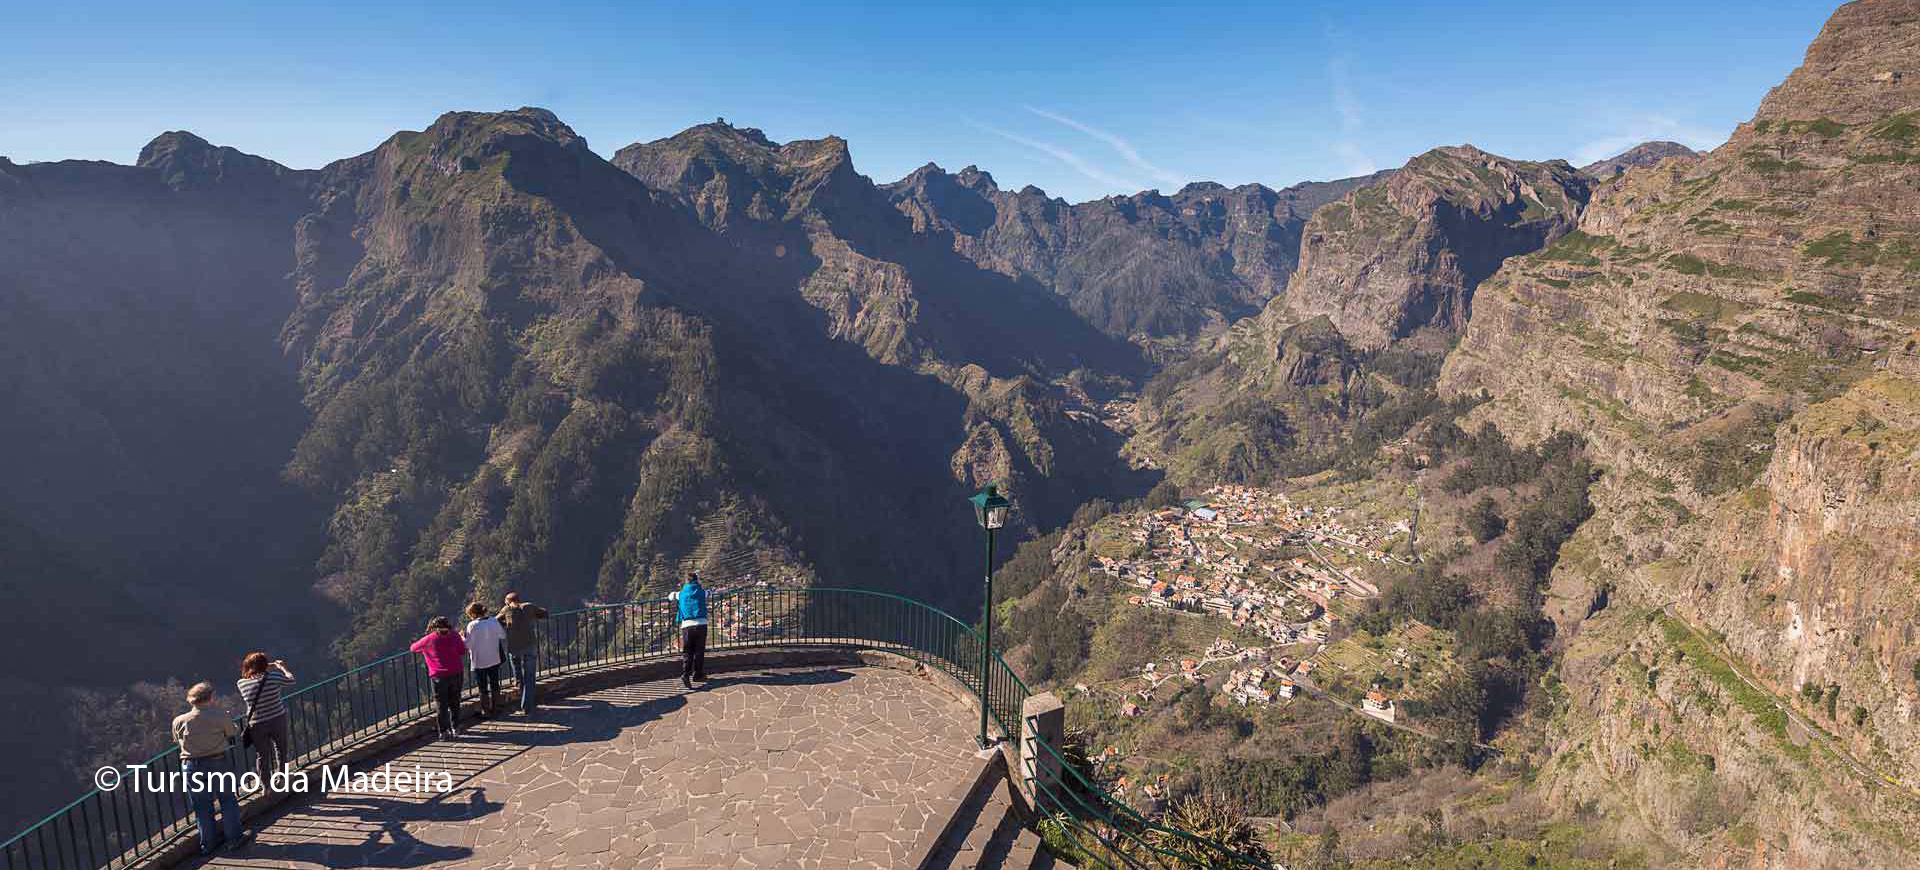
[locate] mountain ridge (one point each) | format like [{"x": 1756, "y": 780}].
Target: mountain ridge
[{"x": 1734, "y": 335}]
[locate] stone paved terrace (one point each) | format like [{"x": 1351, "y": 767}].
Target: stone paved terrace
[{"x": 823, "y": 767}]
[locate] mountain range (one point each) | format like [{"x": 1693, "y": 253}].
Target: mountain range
[{"x": 303, "y": 410}]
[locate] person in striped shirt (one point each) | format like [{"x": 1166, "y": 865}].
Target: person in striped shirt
[{"x": 260, "y": 683}]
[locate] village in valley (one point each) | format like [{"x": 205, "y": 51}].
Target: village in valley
[{"x": 1273, "y": 580}]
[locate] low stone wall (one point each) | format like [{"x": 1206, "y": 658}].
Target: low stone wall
[{"x": 585, "y": 679}]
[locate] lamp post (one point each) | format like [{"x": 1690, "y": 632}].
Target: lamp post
[{"x": 991, "y": 511}]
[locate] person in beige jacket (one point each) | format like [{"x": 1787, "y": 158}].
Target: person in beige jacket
[{"x": 204, "y": 734}]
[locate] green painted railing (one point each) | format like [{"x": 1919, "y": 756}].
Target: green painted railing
[{"x": 118, "y": 827}]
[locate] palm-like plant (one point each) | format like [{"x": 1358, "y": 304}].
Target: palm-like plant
[{"x": 1218, "y": 826}]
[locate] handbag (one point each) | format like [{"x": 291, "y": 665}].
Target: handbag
[{"x": 246, "y": 731}]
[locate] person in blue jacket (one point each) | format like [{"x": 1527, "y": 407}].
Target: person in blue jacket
[{"x": 692, "y": 602}]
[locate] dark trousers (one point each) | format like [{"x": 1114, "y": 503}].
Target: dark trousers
[
  {"x": 446, "y": 691},
  {"x": 270, "y": 739},
  {"x": 693, "y": 641},
  {"x": 488, "y": 679}
]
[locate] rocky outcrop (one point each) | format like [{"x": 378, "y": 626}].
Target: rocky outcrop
[
  {"x": 1640, "y": 156},
  {"x": 1386, "y": 261},
  {"x": 1148, "y": 265},
  {"x": 1733, "y": 335}
]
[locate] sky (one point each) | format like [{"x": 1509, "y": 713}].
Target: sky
[{"x": 1081, "y": 100}]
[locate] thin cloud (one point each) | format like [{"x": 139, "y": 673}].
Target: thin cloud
[
  {"x": 1125, "y": 148},
  {"x": 1078, "y": 163},
  {"x": 1646, "y": 128},
  {"x": 1352, "y": 120}
]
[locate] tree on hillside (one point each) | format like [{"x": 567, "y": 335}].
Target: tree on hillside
[
  {"x": 1484, "y": 521},
  {"x": 1163, "y": 494},
  {"x": 1328, "y": 855}
]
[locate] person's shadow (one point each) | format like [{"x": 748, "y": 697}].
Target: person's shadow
[
  {"x": 346, "y": 829},
  {"x": 339, "y": 837}
]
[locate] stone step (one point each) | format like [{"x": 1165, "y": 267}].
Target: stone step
[{"x": 985, "y": 832}]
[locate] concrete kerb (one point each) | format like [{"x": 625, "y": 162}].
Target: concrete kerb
[{"x": 184, "y": 845}]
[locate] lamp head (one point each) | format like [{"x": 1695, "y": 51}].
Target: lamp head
[{"x": 989, "y": 508}]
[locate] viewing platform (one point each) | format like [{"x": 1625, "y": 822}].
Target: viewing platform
[
  {"x": 841, "y": 729},
  {"x": 825, "y": 766}
]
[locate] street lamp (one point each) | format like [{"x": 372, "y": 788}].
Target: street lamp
[{"x": 991, "y": 511}]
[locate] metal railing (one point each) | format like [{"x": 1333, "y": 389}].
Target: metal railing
[{"x": 118, "y": 827}]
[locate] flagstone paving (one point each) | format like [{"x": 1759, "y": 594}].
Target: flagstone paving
[{"x": 818, "y": 767}]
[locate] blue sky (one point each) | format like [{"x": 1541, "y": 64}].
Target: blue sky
[{"x": 1081, "y": 100}]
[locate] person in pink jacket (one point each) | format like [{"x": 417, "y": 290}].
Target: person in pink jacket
[{"x": 444, "y": 650}]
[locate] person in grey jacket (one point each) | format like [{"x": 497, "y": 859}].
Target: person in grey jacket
[{"x": 523, "y": 644}]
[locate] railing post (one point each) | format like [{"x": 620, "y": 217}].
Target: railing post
[{"x": 1043, "y": 719}]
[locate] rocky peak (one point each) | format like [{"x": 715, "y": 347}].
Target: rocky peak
[
  {"x": 174, "y": 145},
  {"x": 935, "y": 200},
  {"x": 1201, "y": 188},
  {"x": 981, "y": 180},
  {"x": 1385, "y": 261},
  {"x": 1639, "y": 156},
  {"x": 483, "y": 136},
  {"x": 721, "y": 129},
  {"x": 185, "y": 161},
  {"x": 730, "y": 174},
  {"x": 930, "y": 170},
  {"x": 1467, "y": 177}
]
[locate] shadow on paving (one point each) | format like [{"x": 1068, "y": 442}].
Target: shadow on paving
[
  {"x": 347, "y": 829},
  {"x": 817, "y": 677}
]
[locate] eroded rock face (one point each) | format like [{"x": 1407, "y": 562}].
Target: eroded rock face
[
  {"x": 1734, "y": 337},
  {"x": 1385, "y": 261},
  {"x": 1147, "y": 265}
]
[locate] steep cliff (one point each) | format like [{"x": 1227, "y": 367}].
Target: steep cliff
[{"x": 1734, "y": 336}]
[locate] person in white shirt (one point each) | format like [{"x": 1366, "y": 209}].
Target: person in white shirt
[{"x": 486, "y": 646}]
